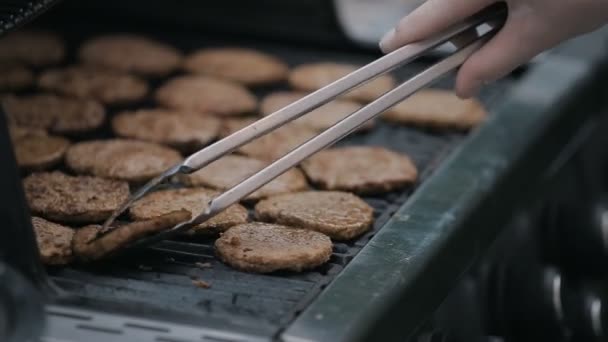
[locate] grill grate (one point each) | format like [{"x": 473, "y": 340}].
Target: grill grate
[{"x": 156, "y": 283}]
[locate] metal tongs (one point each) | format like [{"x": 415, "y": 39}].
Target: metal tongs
[{"x": 465, "y": 34}]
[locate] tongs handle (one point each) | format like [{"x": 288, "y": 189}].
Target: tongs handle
[
  {"x": 320, "y": 97},
  {"x": 341, "y": 129},
  {"x": 493, "y": 15}
]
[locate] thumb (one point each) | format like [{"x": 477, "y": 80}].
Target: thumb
[{"x": 517, "y": 42}]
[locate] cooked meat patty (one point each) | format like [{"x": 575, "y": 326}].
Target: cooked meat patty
[
  {"x": 246, "y": 66},
  {"x": 54, "y": 241},
  {"x": 438, "y": 109},
  {"x": 130, "y": 160},
  {"x": 105, "y": 85},
  {"x": 122, "y": 235},
  {"x": 14, "y": 76},
  {"x": 38, "y": 152},
  {"x": 339, "y": 215},
  {"x": 206, "y": 95},
  {"x": 362, "y": 169},
  {"x": 230, "y": 170},
  {"x": 54, "y": 113},
  {"x": 264, "y": 248},
  {"x": 81, "y": 199},
  {"x": 276, "y": 143},
  {"x": 231, "y": 125},
  {"x": 195, "y": 200},
  {"x": 131, "y": 53},
  {"x": 314, "y": 76},
  {"x": 18, "y": 132},
  {"x": 319, "y": 119},
  {"x": 32, "y": 47},
  {"x": 182, "y": 130}
]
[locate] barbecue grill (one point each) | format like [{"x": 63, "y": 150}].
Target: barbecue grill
[{"x": 382, "y": 286}]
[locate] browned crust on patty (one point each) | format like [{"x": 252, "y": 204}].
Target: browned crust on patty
[
  {"x": 182, "y": 130},
  {"x": 231, "y": 125},
  {"x": 39, "y": 152},
  {"x": 195, "y": 201},
  {"x": 32, "y": 47},
  {"x": 54, "y": 242},
  {"x": 264, "y": 248},
  {"x": 76, "y": 199},
  {"x": 314, "y": 76},
  {"x": 129, "y": 160},
  {"x": 121, "y": 235},
  {"x": 276, "y": 143},
  {"x": 131, "y": 53},
  {"x": 230, "y": 170},
  {"x": 339, "y": 215},
  {"x": 319, "y": 119},
  {"x": 105, "y": 85},
  {"x": 437, "y": 109},
  {"x": 361, "y": 169},
  {"x": 57, "y": 114},
  {"x": 206, "y": 95},
  {"x": 18, "y": 132},
  {"x": 14, "y": 76},
  {"x": 246, "y": 66}
]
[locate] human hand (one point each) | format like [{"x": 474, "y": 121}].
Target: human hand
[{"x": 532, "y": 26}]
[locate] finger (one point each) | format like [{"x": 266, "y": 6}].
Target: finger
[
  {"x": 431, "y": 17},
  {"x": 516, "y": 43}
]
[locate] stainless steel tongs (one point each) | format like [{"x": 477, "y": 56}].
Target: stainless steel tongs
[{"x": 468, "y": 42}]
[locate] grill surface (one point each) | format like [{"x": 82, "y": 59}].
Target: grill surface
[{"x": 156, "y": 283}]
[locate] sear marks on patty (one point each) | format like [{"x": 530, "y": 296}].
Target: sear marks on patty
[
  {"x": 340, "y": 215},
  {"x": 92, "y": 82},
  {"x": 57, "y": 114},
  {"x": 206, "y": 95},
  {"x": 264, "y": 248},
  {"x": 54, "y": 241},
  {"x": 361, "y": 169},
  {"x": 232, "y": 169},
  {"x": 181, "y": 130},
  {"x": 195, "y": 201},
  {"x": 85, "y": 249},
  {"x": 75, "y": 199},
  {"x": 439, "y": 109},
  {"x": 131, "y": 53},
  {"x": 129, "y": 160},
  {"x": 246, "y": 66}
]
